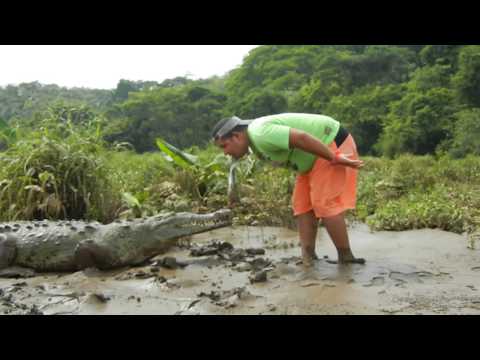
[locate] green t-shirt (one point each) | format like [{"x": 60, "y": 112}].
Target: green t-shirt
[{"x": 269, "y": 137}]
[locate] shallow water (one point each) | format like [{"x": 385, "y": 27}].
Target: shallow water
[{"x": 409, "y": 272}]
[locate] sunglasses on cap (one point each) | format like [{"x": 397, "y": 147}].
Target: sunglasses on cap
[{"x": 229, "y": 125}]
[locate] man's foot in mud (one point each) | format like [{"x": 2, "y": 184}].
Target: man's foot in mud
[
  {"x": 347, "y": 260},
  {"x": 307, "y": 260},
  {"x": 345, "y": 256}
]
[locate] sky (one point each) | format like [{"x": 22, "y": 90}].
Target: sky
[{"x": 102, "y": 66}]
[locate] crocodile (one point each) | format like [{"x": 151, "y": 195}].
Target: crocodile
[{"x": 62, "y": 246}]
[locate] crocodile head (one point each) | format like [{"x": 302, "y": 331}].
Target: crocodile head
[{"x": 183, "y": 224}]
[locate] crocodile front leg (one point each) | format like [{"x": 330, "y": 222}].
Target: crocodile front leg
[
  {"x": 8, "y": 251},
  {"x": 89, "y": 254}
]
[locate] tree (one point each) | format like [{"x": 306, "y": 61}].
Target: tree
[
  {"x": 428, "y": 77},
  {"x": 440, "y": 54},
  {"x": 466, "y": 133},
  {"x": 418, "y": 123},
  {"x": 181, "y": 115},
  {"x": 467, "y": 79},
  {"x": 378, "y": 65},
  {"x": 364, "y": 111},
  {"x": 24, "y": 100},
  {"x": 261, "y": 103}
]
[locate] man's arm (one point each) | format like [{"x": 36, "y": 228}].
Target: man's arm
[{"x": 303, "y": 141}]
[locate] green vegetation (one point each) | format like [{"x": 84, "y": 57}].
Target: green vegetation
[
  {"x": 102, "y": 154},
  {"x": 396, "y": 99},
  {"x": 420, "y": 191},
  {"x": 56, "y": 170}
]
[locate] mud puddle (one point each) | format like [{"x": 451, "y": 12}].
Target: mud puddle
[{"x": 256, "y": 270}]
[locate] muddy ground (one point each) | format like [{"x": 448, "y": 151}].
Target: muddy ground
[{"x": 256, "y": 270}]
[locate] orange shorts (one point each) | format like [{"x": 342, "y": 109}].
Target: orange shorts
[{"x": 327, "y": 189}]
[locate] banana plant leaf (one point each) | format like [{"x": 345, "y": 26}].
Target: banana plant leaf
[
  {"x": 180, "y": 158},
  {"x": 131, "y": 200}
]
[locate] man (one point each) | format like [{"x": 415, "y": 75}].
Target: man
[{"x": 325, "y": 156}]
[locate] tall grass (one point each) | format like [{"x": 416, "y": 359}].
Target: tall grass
[{"x": 56, "y": 171}]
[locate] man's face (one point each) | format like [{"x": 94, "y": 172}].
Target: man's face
[{"x": 235, "y": 146}]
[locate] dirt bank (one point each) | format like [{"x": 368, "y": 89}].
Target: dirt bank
[{"x": 254, "y": 270}]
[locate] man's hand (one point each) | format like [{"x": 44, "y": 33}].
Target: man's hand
[
  {"x": 342, "y": 159},
  {"x": 303, "y": 141}
]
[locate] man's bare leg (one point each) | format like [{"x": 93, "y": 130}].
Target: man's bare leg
[
  {"x": 307, "y": 229},
  {"x": 337, "y": 229}
]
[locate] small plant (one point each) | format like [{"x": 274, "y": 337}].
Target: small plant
[{"x": 198, "y": 176}]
